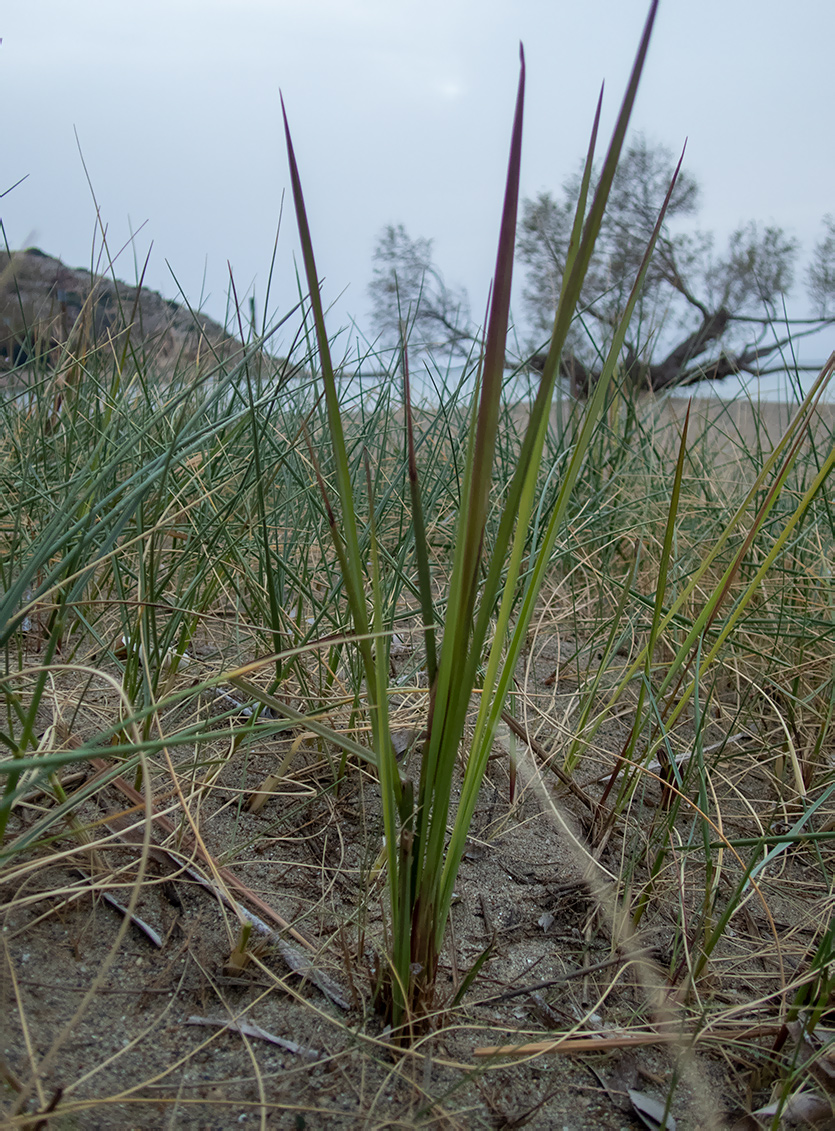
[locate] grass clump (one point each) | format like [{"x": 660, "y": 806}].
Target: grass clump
[{"x": 422, "y": 865}]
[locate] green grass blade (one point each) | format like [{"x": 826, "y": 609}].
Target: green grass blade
[
  {"x": 454, "y": 687},
  {"x": 354, "y": 574},
  {"x": 427, "y": 605},
  {"x": 500, "y": 667}
]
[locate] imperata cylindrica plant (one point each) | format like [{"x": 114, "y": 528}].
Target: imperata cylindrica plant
[{"x": 489, "y": 599}]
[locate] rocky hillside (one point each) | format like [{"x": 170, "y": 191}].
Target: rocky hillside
[{"x": 47, "y": 308}]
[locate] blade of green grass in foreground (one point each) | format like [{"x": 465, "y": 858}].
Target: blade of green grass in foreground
[
  {"x": 419, "y": 526},
  {"x": 450, "y": 697},
  {"x": 502, "y": 665}
]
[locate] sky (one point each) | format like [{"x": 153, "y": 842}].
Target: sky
[{"x": 400, "y": 112}]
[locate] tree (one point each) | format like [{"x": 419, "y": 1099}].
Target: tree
[
  {"x": 701, "y": 315},
  {"x": 410, "y": 298},
  {"x": 821, "y": 274}
]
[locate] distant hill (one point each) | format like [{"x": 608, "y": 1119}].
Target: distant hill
[{"x": 46, "y": 306}]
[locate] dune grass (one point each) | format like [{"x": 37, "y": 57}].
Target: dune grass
[
  {"x": 256, "y": 603},
  {"x": 161, "y": 586}
]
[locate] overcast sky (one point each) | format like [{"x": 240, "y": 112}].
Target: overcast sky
[{"x": 400, "y": 112}]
